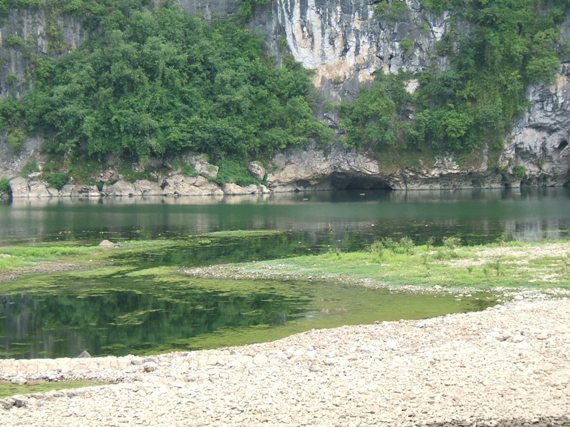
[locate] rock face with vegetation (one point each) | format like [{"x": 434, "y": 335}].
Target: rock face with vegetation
[{"x": 411, "y": 94}]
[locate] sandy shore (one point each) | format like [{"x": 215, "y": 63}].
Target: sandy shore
[{"x": 509, "y": 365}]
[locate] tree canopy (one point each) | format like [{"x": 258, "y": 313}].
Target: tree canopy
[{"x": 155, "y": 81}]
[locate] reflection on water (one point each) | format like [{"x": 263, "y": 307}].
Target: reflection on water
[
  {"x": 138, "y": 313},
  {"x": 476, "y": 215},
  {"x": 106, "y": 317}
]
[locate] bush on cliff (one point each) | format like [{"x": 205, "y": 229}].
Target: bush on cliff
[
  {"x": 510, "y": 44},
  {"x": 153, "y": 82}
]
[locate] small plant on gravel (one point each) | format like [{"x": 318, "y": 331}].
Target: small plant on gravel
[
  {"x": 405, "y": 246},
  {"x": 377, "y": 248},
  {"x": 497, "y": 266},
  {"x": 451, "y": 242}
]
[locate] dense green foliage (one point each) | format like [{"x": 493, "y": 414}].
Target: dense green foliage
[
  {"x": 509, "y": 45},
  {"x": 378, "y": 117},
  {"x": 159, "y": 82},
  {"x": 5, "y": 186}
]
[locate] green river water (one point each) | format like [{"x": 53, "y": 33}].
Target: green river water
[{"x": 143, "y": 305}]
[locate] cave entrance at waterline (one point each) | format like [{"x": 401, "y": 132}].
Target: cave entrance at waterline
[{"x": 354, "y": 182}]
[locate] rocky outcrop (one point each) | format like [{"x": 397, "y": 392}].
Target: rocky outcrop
[
  {"x": 139, "y": 188},
  {"x": 257, "y": 170},
  {"x": 145, "y": 187},
  {"x": 31, "y": 189},
  {"x": 79, "y": 191},
  {"x": 28, "y": 32},
  {"x": 298, "y": 170},
  {"x": 344, "y": 43},
  {"x": 341, "y": 169},
  {"x": 179, "y": 185},
  {"x": 235, "y": 190},
  {"x": 539, "y": 142}
]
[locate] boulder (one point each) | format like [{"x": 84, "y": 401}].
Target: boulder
[
  {"x": 109, "y": 176},
  {"x": 145, "y": 187},
  {"x": 31, "y": 189},
  {"x": 203, "y": 167},
  {"x": 179, "y": 185},
  {"x": 120, "y": 189},
  {"x": 106, "y": 244},
  {"x": 19, "y": 187},
  {"x": 80, "y": 191},
  {"x": 234, "y": 189},
  {"x": 257, "y": 170}
]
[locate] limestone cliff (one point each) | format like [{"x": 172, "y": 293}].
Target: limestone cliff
[
  {"x": 344, "y": 44},
  {"x": 539, "y": 140}
]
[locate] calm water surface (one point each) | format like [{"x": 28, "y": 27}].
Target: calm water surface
[
  {"x": 136, "y": 310},
  {"x": 476, "y": 216}
]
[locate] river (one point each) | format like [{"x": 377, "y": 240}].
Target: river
[{"x": 121, "y": 312}]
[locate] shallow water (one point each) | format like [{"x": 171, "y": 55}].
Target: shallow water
[
  {"x": 142, "y": 305},
  {"x": 118, "y": 315}
]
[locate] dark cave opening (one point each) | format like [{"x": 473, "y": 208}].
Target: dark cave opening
[
  {"x": 355, "y": 182},
  {"x": 563, "y": 144}
]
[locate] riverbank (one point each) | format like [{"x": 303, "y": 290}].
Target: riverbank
[
  {"x": 508, "y": 365},
  {"x": 422, "y": 268}
]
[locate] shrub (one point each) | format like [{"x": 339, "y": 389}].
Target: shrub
[
  {"x": 452, "y": 242},
  {"x": 29, "y": 168},
  {"x": 16, "y": 139},
  {"x": 406, "y": 45},
  {"x": 232, "y": 171},
  {"x": 56, "y": 180},
  {"x": 5, "y": 186},
  {"x": 405, "y": 246},
  {"x": 519, "y": 171},
  {"x": 14, "y": 41}
]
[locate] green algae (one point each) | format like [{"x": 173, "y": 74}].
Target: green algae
[{"x": 8, "y": 389}]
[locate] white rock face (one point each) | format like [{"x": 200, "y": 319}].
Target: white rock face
[
  {"x": 540, "y": 140},
  {"x": 120, "y": 189},
  {"x": 145, "y": 187},
  {"x": 345, "y": 44},
  {"x": 31, "y": 189},
  {"x": 234, "y": 189},
  {"x": 179, "y": 185}
]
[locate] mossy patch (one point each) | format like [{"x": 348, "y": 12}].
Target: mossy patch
[{"x": 9, "y": 389}]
